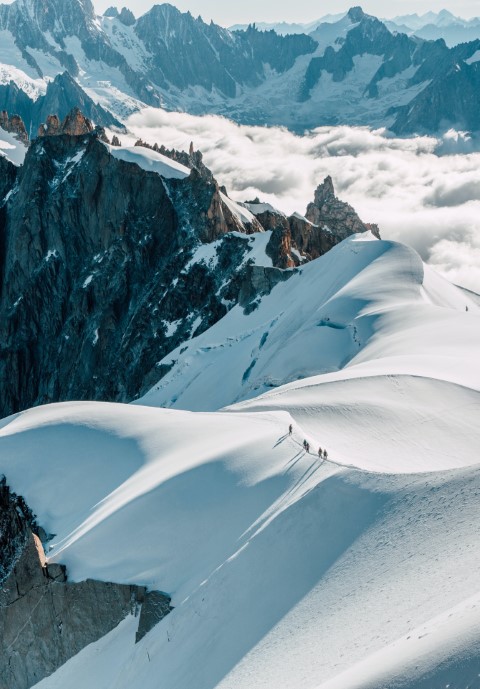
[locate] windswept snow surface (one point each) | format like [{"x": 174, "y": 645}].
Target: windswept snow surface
[
  {"x": 285, "y": 571},
  {"x": 393, "y": 342},
  {"x": 360, "y": 572},
  {"x": 151, "y": 161}
]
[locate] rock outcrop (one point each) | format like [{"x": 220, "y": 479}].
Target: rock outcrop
[
  {"x": 327, "y": 211},
  {"x": 44, "y": 619},
  {"x": 14, "y": 125},
  {"x": 297, "y": 239},
  {"x": 74, "y": 124}
]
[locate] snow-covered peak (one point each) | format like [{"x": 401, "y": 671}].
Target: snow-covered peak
[{"x": 222, "y": 509}]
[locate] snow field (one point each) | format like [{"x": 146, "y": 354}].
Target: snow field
[
  {"x": 285, "y": 571},
  {"x": 359, "y": 572}
]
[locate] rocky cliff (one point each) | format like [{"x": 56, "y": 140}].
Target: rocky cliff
[
  {"x": 45, "y": 619},
  {"x": 296, "y": 239},
  {"x": 106, "y": 267}
]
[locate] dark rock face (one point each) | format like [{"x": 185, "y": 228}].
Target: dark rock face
[
  {"x": 127, "y": 17},
  {"x": 16, "y": 520},
  {"x": 257, "y": 281},
  {"x": 449, "y": 101},
  {"x": 14, "y": 100},
  {"x": 44, "y": 619},
  {"x": 8, "y": 175},
  {"x": 95, "y": 268}
]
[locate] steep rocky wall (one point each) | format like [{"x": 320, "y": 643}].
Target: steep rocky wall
[
  {"x": 103, "y": 270},
  {"x": 44, "y": 619},
  {"x": 327, "y": 222},
  {"x": 95, "y": 268},
  {"x": 8, "y": 175}
]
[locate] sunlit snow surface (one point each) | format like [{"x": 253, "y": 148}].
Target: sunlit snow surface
[
  {"x": 151, "y": 161},
  {"x": 11, "y": 148},
  {"x": 285, "y": 571}
]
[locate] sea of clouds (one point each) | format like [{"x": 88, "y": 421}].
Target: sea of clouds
[{"x": 422, "y": 191}]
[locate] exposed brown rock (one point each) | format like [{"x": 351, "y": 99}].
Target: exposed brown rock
[
  {"x": 329, "y": 212},
  {"x": 14, "y": 125},
  {"x": 52, "y": 127},
  {"x": 75, "y": 124}
]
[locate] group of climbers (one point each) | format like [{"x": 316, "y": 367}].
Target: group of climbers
[{"x": 322, "y": 454}]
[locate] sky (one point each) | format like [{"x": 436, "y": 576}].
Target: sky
[{"x": 228, "y": 13}]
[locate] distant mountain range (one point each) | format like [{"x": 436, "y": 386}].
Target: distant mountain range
[
  {"x": 352, "y": 70},
  {"x": 431, "y": 26}
]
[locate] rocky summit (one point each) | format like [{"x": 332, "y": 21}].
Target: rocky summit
[{"x": 107, "y": 265}]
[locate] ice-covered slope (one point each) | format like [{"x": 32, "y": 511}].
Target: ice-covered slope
[
  {"x": 284, "y": 570},
  {"x": 151, "y": 161}
]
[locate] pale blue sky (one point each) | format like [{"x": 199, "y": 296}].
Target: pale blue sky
[{"x": 227, "y": 12}]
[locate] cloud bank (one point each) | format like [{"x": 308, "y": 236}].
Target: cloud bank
[{"x": 422, "y": 191}]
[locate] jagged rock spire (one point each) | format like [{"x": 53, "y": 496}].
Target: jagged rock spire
[
  {"x": 75, "y": 124},
  {"x": 335, "y": 215}
]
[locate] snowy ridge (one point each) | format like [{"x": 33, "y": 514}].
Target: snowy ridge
[
  {"x": 151, "y": 161},
  {"x": 385, "y": 312},
  {"x": 364, "y": 565}
]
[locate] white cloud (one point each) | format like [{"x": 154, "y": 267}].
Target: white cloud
[{"x": 422, "y": 191}]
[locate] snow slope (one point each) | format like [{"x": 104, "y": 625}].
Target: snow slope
[
  {"x": 366, "y": 329},
  {"x": 262, "y": 546},
  {"x": 12, "y": 148},
  {"x": 359, "y": 572},
  {"x": 151, "y": 161}
]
